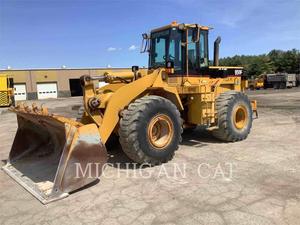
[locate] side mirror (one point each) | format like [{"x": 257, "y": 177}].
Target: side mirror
[
  {"x": 145, "y": 43},
  {"x": 134, "y": 69},
  {"x": 145, "y": 36}
]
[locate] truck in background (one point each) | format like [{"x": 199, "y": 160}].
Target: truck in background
[
  {"x": 279, "y": 80},
  {"x": 6, "y": 91}
]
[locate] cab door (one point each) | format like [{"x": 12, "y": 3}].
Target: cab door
[{"x": 197, "y": 53}]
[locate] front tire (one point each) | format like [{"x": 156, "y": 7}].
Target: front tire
[
  {"x": 150, "y": 130},
  {"x": 234, "y": 116}
]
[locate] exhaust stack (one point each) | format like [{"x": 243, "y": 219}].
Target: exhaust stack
[{"x": 216, "y": 51}]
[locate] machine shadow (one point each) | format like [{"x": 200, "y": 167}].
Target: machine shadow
[
  {"x": 86, "y": 186},
  {"x": 198, "y": 137},
  {"x": 118, "y": 159}
]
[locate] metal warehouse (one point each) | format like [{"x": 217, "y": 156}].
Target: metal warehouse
[{"x": 50, "y": 83}]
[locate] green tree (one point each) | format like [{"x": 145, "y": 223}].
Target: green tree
[{"x": 274, "y": 61}]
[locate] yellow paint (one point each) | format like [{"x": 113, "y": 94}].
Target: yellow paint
[
  {"x": 3, "y": 83},
  {"x": 195, "y": 95},
  {"x": 6, "y": 93},
  {"x": 256, "y": 83},
  {"x": 120, "y": 99}
]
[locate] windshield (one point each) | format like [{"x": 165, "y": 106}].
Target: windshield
[{"x": 166, "y": 46}]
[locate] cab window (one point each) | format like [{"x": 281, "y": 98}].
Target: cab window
[
  {"x": 159, "y": 42},
  {"x": 203, "y": 42},
  {"x": 11, "y": 82},
  {"x": 193, "y": 62},
  {"x": 175, "y": 50},
  {"x": 197, "y": 52}
]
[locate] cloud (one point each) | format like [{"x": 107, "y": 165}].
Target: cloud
[
  {"x": 132, "y": 48},
  {"x": 113, "y": 49}
]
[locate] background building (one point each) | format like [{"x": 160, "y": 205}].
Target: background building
[{"x": 50, "y": 83}]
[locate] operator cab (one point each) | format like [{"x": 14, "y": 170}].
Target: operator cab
[{"x": 185, "y": 45}]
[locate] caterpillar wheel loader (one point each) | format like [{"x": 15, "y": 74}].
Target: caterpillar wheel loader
[
  {"x": 147, "y": 109},
  {"x": 6, "y": 91}
]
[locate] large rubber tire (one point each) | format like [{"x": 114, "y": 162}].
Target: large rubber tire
[
  {"x": 282, "y": 85},
  {"x": 228, "y": 106},
  {"x": 134, "y": 130}
]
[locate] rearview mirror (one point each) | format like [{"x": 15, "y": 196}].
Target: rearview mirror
[
  {"x": 145, "y": 36},
  {"x": 145, "y": 43},
  {"x": 134, "y": 68}
]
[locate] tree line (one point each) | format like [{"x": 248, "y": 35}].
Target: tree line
[{"x": 273, "y": 62}]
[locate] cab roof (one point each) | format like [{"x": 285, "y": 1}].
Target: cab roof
[{"x": 175, "y": 24}]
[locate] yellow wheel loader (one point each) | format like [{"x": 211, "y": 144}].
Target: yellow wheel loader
[
  {"x": 147, "y": 109},
  {"x": 6, "y": 91},
  {"x": 256, "y": 83}
]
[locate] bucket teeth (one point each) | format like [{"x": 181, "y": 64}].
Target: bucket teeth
[
  {"x": 27, "y": 108},
  {"x": 34, "y": 109},
  {"x": 20, "y": 106},
  {"x": 44, "y": 110}
]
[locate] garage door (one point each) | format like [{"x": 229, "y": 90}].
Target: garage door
[
  {"x": 47, "y": 90},
  {"x": 20, "y": 92}
]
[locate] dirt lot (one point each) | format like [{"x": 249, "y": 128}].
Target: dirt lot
[{"x": 256, "y": 181}]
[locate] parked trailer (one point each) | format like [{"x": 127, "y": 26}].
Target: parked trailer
[{"x": 280, "y": 80}]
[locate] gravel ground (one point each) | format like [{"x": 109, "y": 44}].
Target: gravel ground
[{"x": 256, "y": 181}]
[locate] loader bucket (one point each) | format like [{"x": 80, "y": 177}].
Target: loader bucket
[{"x": 52, "y": 155}]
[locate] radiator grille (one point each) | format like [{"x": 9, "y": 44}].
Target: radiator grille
[{"x": 3, "y": 98}]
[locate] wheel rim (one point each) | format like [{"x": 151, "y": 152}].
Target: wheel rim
[
  {"x": 240, "y": 117},
  {"x": 160, "y": 131}
]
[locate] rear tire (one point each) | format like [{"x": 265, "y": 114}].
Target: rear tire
[
  {"x": 282, "y": 85},
  {"x": 150, "y": 130},
  {"x": 234, "y": 116}
]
